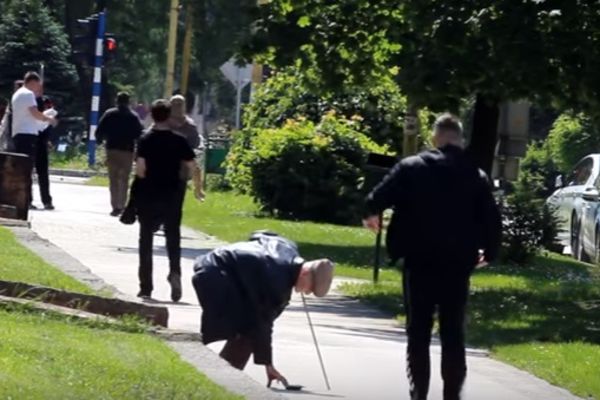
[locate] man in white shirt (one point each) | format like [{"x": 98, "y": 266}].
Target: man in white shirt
[{"x": 26, "y": 117}]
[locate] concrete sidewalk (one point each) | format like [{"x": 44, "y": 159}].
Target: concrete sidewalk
[{"x": 364, "y": 350}]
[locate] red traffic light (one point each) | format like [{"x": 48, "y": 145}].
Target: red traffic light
[{"x": 111, "y": 45}]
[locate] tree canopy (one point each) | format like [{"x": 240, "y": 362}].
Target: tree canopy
[
  {"x": 30, "y": 36},
  {"x": 445, "y": 50}
]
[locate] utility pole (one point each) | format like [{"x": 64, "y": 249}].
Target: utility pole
[
  {"x": 187, "y": 47},
  {"x": 174, "y": 16},
  {"x": 257, "y": 69},
  {"x": 97, "y": 86},
  {"x": 410, "y": 144}
]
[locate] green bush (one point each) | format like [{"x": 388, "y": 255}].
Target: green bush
[
  {"x": 529, "y": 224},
  {"x": 573, "y": 137},
  {"x": 378, "y": 107},
  {"x": 540, "y": 163},
  {"x": 309, "y": 171}
]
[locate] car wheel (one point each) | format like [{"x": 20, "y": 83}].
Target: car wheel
[
  {"x": 574, "y": 238},
  {"x": 581, "y": 254}
]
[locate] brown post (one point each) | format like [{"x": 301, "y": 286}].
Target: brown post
[{"x": 15, "y": 184}]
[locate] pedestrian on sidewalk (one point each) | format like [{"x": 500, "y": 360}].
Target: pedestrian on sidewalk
[
  {"x": 120, "y": 127},
  {"x": 183, "y": 125},
  {"x": 42, "y": 164},
  {"x": 244, "y": 287},
  {"x": 26, "y": 117},
  {"x": 159, "y": 192},
  {"x": 445, "y": 223}
]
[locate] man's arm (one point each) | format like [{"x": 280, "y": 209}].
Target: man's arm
[
  {"x": 383, "y": 196},
  {"x": 140, "y": 167},
  {"x": 102, "y": 127},
  {"x": 37, "y": 114}
]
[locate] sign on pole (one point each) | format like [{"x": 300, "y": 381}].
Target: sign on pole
[{"x": 239, "y": 77}]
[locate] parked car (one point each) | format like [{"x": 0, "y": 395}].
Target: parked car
[{"x": 577, "y": 202}]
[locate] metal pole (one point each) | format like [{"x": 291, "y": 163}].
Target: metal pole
[
  {"x": 378, "y": 252},
  {"x": 312, "y": 331},
  {"x": 97, "y": 88},
  {"x": 170, "y": 81},
  {"x": 187, "y": 48},
  {"x": 257, "y": 69},
  {"x": 238, "y": 106}
]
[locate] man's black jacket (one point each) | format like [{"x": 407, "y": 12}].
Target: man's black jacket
[
  {"x": 443, "y": 208},
  {"x": 244, "y": 287},
  {"x": 121, "y": 128}
]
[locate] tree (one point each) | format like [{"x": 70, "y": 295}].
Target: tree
[
  {"x": 445, "y": 50},
  {"x": 29, "y": 36}
]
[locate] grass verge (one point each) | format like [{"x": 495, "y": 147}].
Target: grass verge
[
  {"x": 18, "y": 264},
  {"x": 43, "y": 357},
  {"x": 232, "y": 217}
]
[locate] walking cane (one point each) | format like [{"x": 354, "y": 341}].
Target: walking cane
[{"x": 312, "y": 330}]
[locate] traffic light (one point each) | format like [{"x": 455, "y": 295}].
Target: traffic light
[
  {"x": 84, "y": 46},
  {"x": 110, "y": 47}
]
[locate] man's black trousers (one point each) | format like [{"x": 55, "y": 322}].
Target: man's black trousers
[
  {"x": 41, "y": 167},
  {"x": 429, "y": 287},
  {"x": 27, "y": 144},
  {"x": 152, "y": 213}
]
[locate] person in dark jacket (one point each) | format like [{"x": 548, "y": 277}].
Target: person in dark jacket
[
  {"x": 445, "y": 224},
  {"x": 158, "y": 193},
  {"x": 120, "y": 127},
  {"x": 42, "y": 164},
  {"x": 244, "y": 287}
]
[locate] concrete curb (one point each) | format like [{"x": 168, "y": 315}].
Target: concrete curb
[
  {"x": 217, "y": 370},
  {"x": 91, "y": 303},
  {"x": 59, "y": 258},
  {"x": 189, "y": 347}
]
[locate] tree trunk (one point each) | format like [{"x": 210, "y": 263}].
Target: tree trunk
[{"x": 484, "y": 136}]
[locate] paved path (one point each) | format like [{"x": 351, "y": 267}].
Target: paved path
[{"x": 363, "y": 350}]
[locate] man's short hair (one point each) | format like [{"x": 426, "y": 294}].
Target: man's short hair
[
  {"x": 448, "y": 122},
  {"x": 161, "y": 110},
  {"x": 31, "y": 77},
  {"x": 123, "y": 98}
]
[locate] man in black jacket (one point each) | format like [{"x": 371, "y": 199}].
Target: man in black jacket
[
  {"x": 121, "y": 128},
  {"x": 244, "y": 287},
  {"x": 445, "y": 223}
]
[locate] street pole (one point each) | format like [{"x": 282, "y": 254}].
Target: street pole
[
  {"x": 170, "y": 81},
  {"x": 257, "y": 69},
  {"x": 96, "y": 88},
  {"x": 410, "y": 144},
  {"x": 187, "y": 48},
  {"x": 238, "y": 102}
]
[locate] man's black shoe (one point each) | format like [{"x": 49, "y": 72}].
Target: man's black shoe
[
  {"x": 175, "y": 282},
  {"x": 49, "y": 207},
  {"x": 32, "y": 207},
  {"x": 116, "y": 212},
  {"x": 144, "y": 296}
]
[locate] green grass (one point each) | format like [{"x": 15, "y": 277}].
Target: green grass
[
  {"x": 544, "y": 318},
  {"x": 97, "y": 181},
  {"x": 21, "y": 265},
  {"x": 77, "y": 160},
  {"x": 44, "y": 357},
  {"x": 233, "y": 217}
]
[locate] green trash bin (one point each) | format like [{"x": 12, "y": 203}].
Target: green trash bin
[{"x": 215, "y": 159}]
